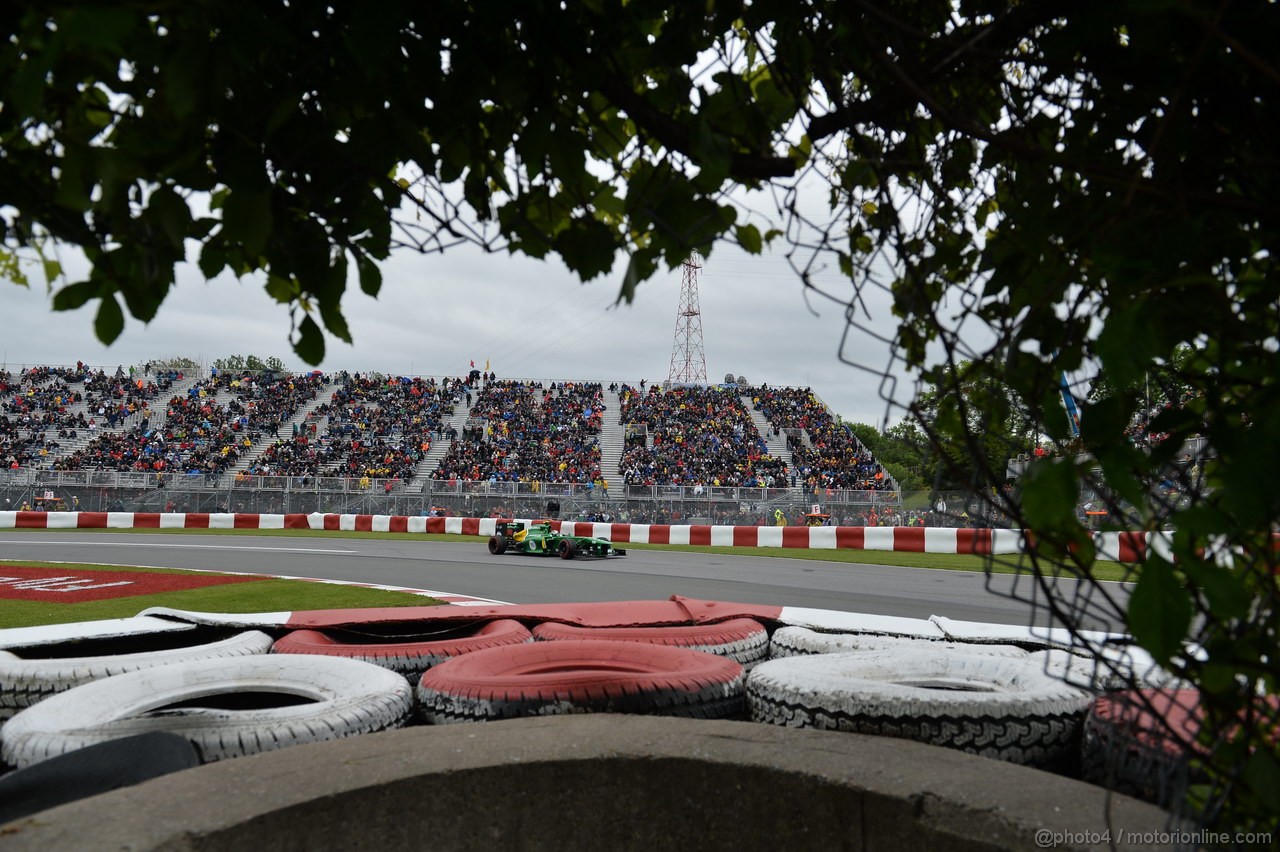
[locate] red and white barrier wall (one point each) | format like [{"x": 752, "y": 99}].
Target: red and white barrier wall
[{"x": 1111, "y": 546}]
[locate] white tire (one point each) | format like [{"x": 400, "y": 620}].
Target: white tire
[
  {"x": 1120, "y": 671},
  {"x": 224, "y": 707},
  {"x": 995, "y": 706},
  {"x": 30, "y": 675},
  {"x": 800, "y": 641}
]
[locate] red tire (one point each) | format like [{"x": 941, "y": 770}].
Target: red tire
[
  {"x": 591, "y": 676},
  {"x": 409, "y": 658},
  {"x": 1141, "y": 743},
  {"x": 567, "y": 549},
  {"x": 743, "y": 640}
]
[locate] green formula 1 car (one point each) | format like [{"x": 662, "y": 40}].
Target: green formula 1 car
[{"x": 541, "y": 540}]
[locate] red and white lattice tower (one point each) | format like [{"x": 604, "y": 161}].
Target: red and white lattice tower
[{"x": 688, "y": 361}]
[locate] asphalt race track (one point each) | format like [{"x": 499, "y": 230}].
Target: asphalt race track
[{"x": 467, "y": 568}]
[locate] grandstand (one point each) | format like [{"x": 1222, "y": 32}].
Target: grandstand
[{"x": 151, "y": 438}]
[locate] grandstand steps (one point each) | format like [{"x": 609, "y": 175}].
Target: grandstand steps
[
  {"x": 612, "y": 436},
  {"x": 422, "y": 473},
  {"x": 85, "y": 437},
  {"x": 777, "y": 443},
  {"x": 299, "y": 419}
]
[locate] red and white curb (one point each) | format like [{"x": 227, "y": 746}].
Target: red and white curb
[{"x": 1111, "y": 546}]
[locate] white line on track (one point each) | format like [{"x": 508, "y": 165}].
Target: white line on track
[{"x": 190, "y": 546}]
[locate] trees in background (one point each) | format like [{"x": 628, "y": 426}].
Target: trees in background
[{"x": 240, "y": 363}]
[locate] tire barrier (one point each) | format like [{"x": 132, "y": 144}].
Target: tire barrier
[
  {"x": 31, "y": 674},
  {"x": 224, "y": 707},
  {"x": 742, "y": 640},
  {"x": 1001, "y": 707},
  {"x": 513, "y": 684},
  {"x": 1141, "y": 742},
  {"x": 801, "y": 641},
  {"x": 588, "y": 676},
  {"x": 410, "y": 658}
]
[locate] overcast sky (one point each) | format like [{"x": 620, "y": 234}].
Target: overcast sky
[{"x": 529, "y": 318}]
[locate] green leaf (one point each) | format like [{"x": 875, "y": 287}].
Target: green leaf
[
  {"x": 331, "y": 313},
  {"x": 246, "y": 219},
  {"x": 1227, "y": 596},
  {"x": 749, "y": 238},
  {"x": 1103, "y": 421},
  {"x": 1262, "y": 775},
  {"x": 172, "y": 213},
  {"x": 310, "y": 342},
  {"x": 370, "y": 275},
  {"x": 109, "y": 322},
  {"x": 639, "y": 267},
  {"x": 1159, "y": 611},
  {"x": 1049, "y": 494},
  {"x": 587, "y": 247},
  {"x": 283, "y": 290},
  {"x": 212, "y": 260},
  {"x": 74, "y": 295}
]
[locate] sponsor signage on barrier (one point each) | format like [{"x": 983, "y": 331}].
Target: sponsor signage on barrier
[{"x": 59, "y": 585}]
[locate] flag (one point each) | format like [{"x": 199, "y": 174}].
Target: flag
[
  {"x": 473, "y": 362},
  {"x": 486, "y": 365}
]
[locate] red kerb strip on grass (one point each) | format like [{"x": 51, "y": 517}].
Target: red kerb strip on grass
[{"x": 58, "y": 585}]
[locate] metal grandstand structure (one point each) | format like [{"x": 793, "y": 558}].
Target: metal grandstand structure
[{"x": 688, "y": 360}]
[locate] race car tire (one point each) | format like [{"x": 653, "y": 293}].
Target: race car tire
[
  {"x": 589, "y": 676},
  {"x": 410, "y": 659},
  {"x": 31, "y": 674},
  {"x": 224, "y": 707},
  {"x": 567, "y": 549},
  {"x": 1000, "y": 707},
  {"x": 1130, "y": 744},
  {"x": 497, "y": 544},
  {"x": 743, "y": 640},
  {"x": 801, "y": 641}
]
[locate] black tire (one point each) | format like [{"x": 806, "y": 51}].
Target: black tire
[
  {"x": 497, "y": 544},
  {"x": 410, "y": 659},
  {"x": 91, "y": 771},
  {"x": 1001, "y": 707},
  {"x": 590, "y": 676},
  {"x": 31, "y": 674},
  {"x": 567, "y": 549},
  {"x": 224, "y": 707},
  {"x": 743, "y": 640}
]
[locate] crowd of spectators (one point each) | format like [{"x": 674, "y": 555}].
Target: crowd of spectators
[
  {"x": 694, "y": 436},
  {"x": 15, "y": 450},
  {"x": 200, "y": 435},
  {"x": 833, "y": 457},
  {"x": 380, "y": 427},
  {"x": 112, "y": 399},
  {"x": 528, "y": 432},
  {"x": 377, "y": 427}
]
